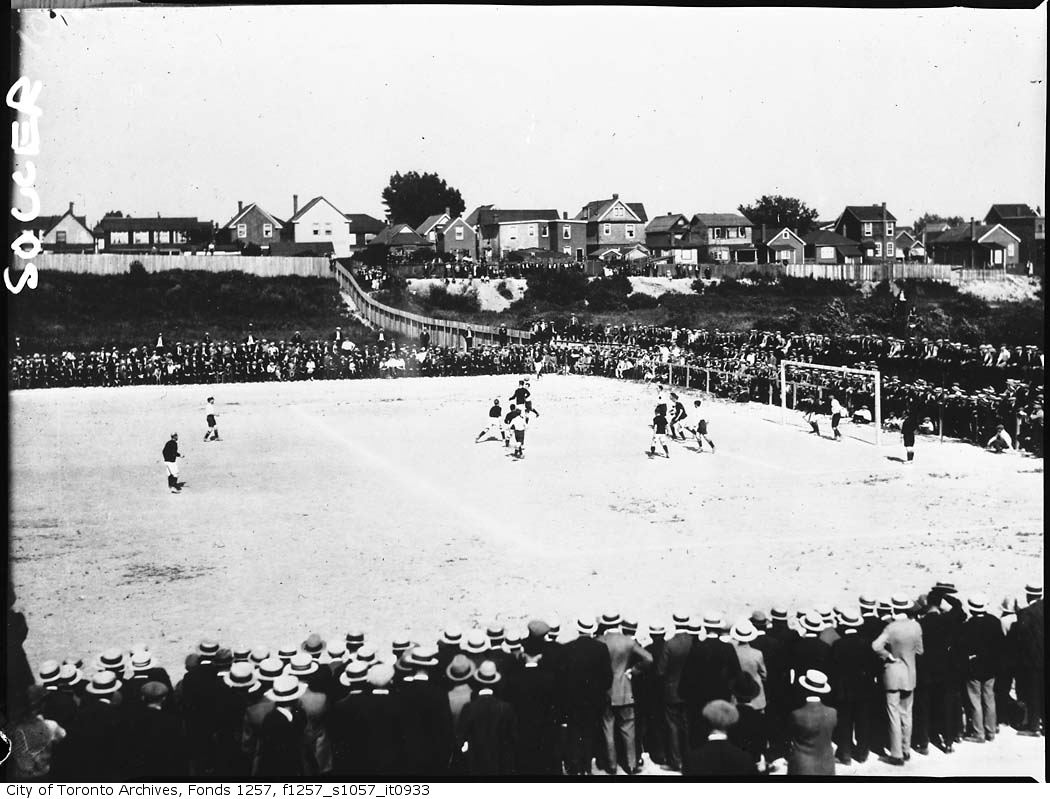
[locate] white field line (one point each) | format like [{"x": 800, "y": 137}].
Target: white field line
[{"x": 480, "y": 522}]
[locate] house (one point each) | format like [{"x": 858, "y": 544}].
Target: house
[
  {"x": 872, "y": 226},
  {"x": 503, "y": 230},
  {"x": 63, "y": 233},
  {"x": 1025, "y": 223},
  {"x": 252, "y": 225},
  {"x": 614, "y": 228},
  {"x": 908, "y": 247},
  {"x": 666, "y": 237},
  {"x": 433, "y": 225},
  {"x": 828, "y": 247},
  {"x": 319, "y": 220},
  {"x": 363, "y": 228},
  {"x": 399, "y": 240},
  {"x": 457, "y": 238},
  {"x": 723, "y": 238},
  {"x": 166, "y": 235},
  {"x": 779, "y": 246},
  {"x": 928, "y": 234},
  {"x": 978, "y": 246}
]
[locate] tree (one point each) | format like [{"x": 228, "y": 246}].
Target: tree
[
  {"x": 777, "y": 211},
  {"x": 929, "y": 218},
  {"x": 117, "y": 214},
  {"x": 411, "y": 198}
]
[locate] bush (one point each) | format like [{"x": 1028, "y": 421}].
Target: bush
[
  {"x": 640, "y": 301},
  {"x": 440, "y": 298},
  {"x": 811, "y": 287},
  {"x": 504, "y": 291},
  {"x": 557, "y": 288},
  {"x": 608, "y": 293},
  {"x": 137, "y": 274}
]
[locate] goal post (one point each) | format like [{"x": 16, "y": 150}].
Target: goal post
[{"x": 874, "y": 374}]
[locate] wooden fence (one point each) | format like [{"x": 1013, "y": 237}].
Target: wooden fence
[
  {"x": 120, "y": 263},
  {"x": 443, "y": 332}
]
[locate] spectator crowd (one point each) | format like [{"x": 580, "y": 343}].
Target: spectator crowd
[{"x": 779, "y": 691}]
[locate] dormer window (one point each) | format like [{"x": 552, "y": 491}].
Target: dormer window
[{"x": 618, "y": 212}]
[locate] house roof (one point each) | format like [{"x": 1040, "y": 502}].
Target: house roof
[
  {"x": 399, "y": 235},
  {"x": 665, "y": 222},
  {"x": 363, "y": 223},
  {"x": 869, "y": 213},
  {"x": 499, "y": 216},
  {"x": 316, "y": 249},
  {"x": 472, "y": 217},
  {"x": 430, "y": 222},
  {"x": 962, "y": 233},
  {"x": 46, "y": 223},
  {"x": 459, "y": 220},
  {"x": 829, "y": 238},
  {"x": 936, "y": 227},
  {"x": 905, "y": 237},
  {"x": 132, "y": 223},
  {"x": 1011, "y": 211},
  {"x": 775, "y": 242},
  {"x": 319, "y": 199},
  {"x": 596, "y": 209},
  {"x": 277, "y": 223},
  {"x": 722, "y": 220}
]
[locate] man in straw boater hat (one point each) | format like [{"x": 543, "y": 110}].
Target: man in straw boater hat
[
  {"x": 981, "y": 641},
  {"x": 58, "y": 702},
  {"x": 259, "y": 707},
  {"x": 280, "y": 739},
  {"x": 897, "y": 646},
  {"x": 587, "y": 675},
  {"x": 317, "y": 753},
  {"x": 717, "y": 756},
  {"x": 343, "y": 723},
  {"x": 1031, "y": 670},
  {"x": 536, "y": 706},
  {"x": 855, "y": 668},
  {"x": 811, "y": 728},
  {"x": 708, "y": 674},
  {"x": 238, "y": 689},
  {"x": 808, "y": 651},
  {"x": 426, "y": 719},
  {"x": 95, "y": 740},
  {"x": 627, "y": 658},
  {"x": 487, "y": 728},
  {"x": 743, "y": 634},
  {"x": 669, "y": 667}
]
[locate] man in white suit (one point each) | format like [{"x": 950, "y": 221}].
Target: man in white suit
[{"x": 898, "y": 645}]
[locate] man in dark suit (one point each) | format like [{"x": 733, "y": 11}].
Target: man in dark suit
[
  {"x": 98, "y": 738},
  {"x": 488, "y": 728},
  {"x": 59, "y": 702},
  {"x": 156, "y": 746},
  {"x": 812, "y": 727},
  {"x": 649, "y": 706},
  {"x": 240, "y": 688},
  {"x": 808, "y": 651},
  {"x": 534, "y": 696},
  {"x": 981, "y": 640},
  {"x": 717, "y": 756},
  {"x": 853, "y": 667},
  {"x": 708, "y": 674},
  {"x": 374, "y": 727},
  {"x": 427, "y": 737},
  {"x": 776, "y": 647},
  {"x": 625, "y": 655},
  {"x": 587, "y": 676},
  {"x": 343, "y": 721},
  {"x": 1031, "y": 668},
  {"x": 281, "y": 736},
  {"x": 669, "y": 669}
]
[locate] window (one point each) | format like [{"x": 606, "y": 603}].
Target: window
[
  {"x": 545, "y": 231},
  {"x": 140, "y": 237},
  {"x": 730, "y": 232},
  {"x": 827, "y": 253},
  {"x": 432, "y": 236},
  {"x": 566, "y": 232},
  {"x": 532, "y": 231},
  {"x": 267, "y": 230},
  {"x": 1009, "y": 248},
  {"x": 997, "y": 256},
  {"x": 878, "y": 249},
  {"x": 512, "y": 232},
  {"x": 742, "y": 233},
  {"x": 179, "y": 236},
  {"x": 785, "y": 235},
  {"x": 889, "y": 228},
  {"x": 328, "y": 230},
  {"x": 606, "y": 230},
  {"x": 867, "y": 229},
  {"x": 889, "y": 249},
  {"x": 630, "y": 231},
  {"x": 618, "y": 212},
  {"x": 317, "y": 230},
  {"x": 242, "y": 231},
  {"x": 567, "y": 250},
  {"x": 60, "y": 237},
  {"x": 459, "y": 232},
  {"x": 716, "y": 233},
  {"x": 164, "y": 237},
  {"x": 118, "y": 237}
]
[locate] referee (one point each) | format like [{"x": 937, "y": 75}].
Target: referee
[
  {"x": 171, "y": 454},
  {"x": 908, "y": 427}
]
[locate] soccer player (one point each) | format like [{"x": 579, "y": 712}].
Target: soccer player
[
  {"x": 659, "y": 427},
  {"x": 512, "y": 414},
  {"x": 1001, "y": 441},
  {"x": 171, "y": 454},
  {"x": 495, "y": 423},
  {"x": 537, "y": 364},
  {"x": 837, "y": 412},
  {"x": 811, "y": 416},
  {"x": 908, "y": 427},
  {"x": 518, "y": 425},
  {"x": 661, "y": 400},
  {"x": 212, "y": 433},
  {"x": 700, "y": 431},
  {"x": 528, "y": 401},
  {"x": 678, "y": 417}
]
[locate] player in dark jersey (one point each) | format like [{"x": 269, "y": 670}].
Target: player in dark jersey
[
  {"x": 512, "y": 414},
  {"x": 521, "y": 398},
  {"x": 659, "y": 427},
  {"x": 677, "y": 418},
  {"x": 700, "y": 431},
  {"x": 908, "y": 428},
  {"x": 495, "y": 423}
]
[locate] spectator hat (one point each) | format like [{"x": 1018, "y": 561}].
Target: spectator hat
[
  {"x": 153, "y": 691},
  {"x": 476, "y": 643},
  {"x": 224, "y": 657},
  {"x": 815, "y": 682},
  {"x": 287, "y": 652},
  {"x": 452, "y": 635},
  {"x": 241, "y": 653},
  {"x": 313, "y": 645},
  {"x": 744, "y": 631},
  {"x": 946, "y": 587},
  {"x": 867, "y": 602},
  {"x": 513, "y": 641},
  {"x": 141, "y": 661},
  {"x": 50, "y": 671},
  {"x": 355, "y": 638},
  {"x": 1034, "y": 588},
  {"x": 111, "y": 660},
  {"x": 487, "y": 674},
  {"x": 366, "y": 654},
  {"x": 538, "y": 628},
  {"x": 555, "y": 628},
  {"x": 193, "y": 660},
  {"x": 611, "y": 619},
  {"x": 355, "y": 673},
  {"x": 495, "y": 633},
  {"x": 629, "y": 625},
  {"x": 812, "y": 622},
  {"x": 778, "y": 613},
  {"x": 681, "y": 620},
  {"x": 586, "y": 625},
  {"x": 901, "y": 603},
  {"x": 720, "y": 715},
  {"x": 759, "y": 619},
  {"x": 827, "y": 613},
  {"x": 1010, "y": 604},
  {"x": 259, "y": 654},
  {"x": 380, "y": 675},
  {"x": 242, "y": 676},
  {"x": 286, "y": 689},
  {"x": 301, "y": 665},
  {"x": 460, "y": 669},
  {"x": 657, "y": 631},
  {"x": 70, "y": 675},
  {"x": 103, "y": 683},
  {"x": 422, "y": 657},
  {"x": 270, "y": 669},
  {"x": 978, "y": 603},
  {"x": 207, "y": 648}
]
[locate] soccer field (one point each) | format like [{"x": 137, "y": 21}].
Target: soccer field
[{"x": 330, "y": 505}]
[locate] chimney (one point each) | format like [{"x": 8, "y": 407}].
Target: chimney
[
  {"x": 616, "y": 196},
  {"x": 240, "y": 206},
  {"x": 295, "y": 204},
  {"x": 158, "y": 214},
  {"x": 447, "y": 211},
  {"x": 71, "y": 207},
  {"x": 973, "y": 228},
  {"x": 564, "y": 214}
]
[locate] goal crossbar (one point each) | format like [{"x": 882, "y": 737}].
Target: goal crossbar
[{"x": 873, "y": 373}]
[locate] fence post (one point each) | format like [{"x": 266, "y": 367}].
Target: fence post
[{"x": 707, "y": 372}]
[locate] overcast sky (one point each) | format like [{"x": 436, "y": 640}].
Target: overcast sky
[{"x": 187, "y": 111}]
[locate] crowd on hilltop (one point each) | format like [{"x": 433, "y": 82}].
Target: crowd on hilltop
[{"x": 785, "y": 690}]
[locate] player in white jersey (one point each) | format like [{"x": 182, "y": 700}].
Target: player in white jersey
[
  {"x": 212, "y": 433},
  {"x": 518, "y": 425},
  {"x": 700, "y": 430},
  {"x": 837, "y": 412}
]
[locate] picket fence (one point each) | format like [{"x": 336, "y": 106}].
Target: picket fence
[{"x": 120, "y": 263}]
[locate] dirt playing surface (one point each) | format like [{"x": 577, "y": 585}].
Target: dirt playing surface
[{"x": 329, "y": 505}]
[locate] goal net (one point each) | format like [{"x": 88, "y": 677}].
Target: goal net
[{"x": 808, "y": 388}]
